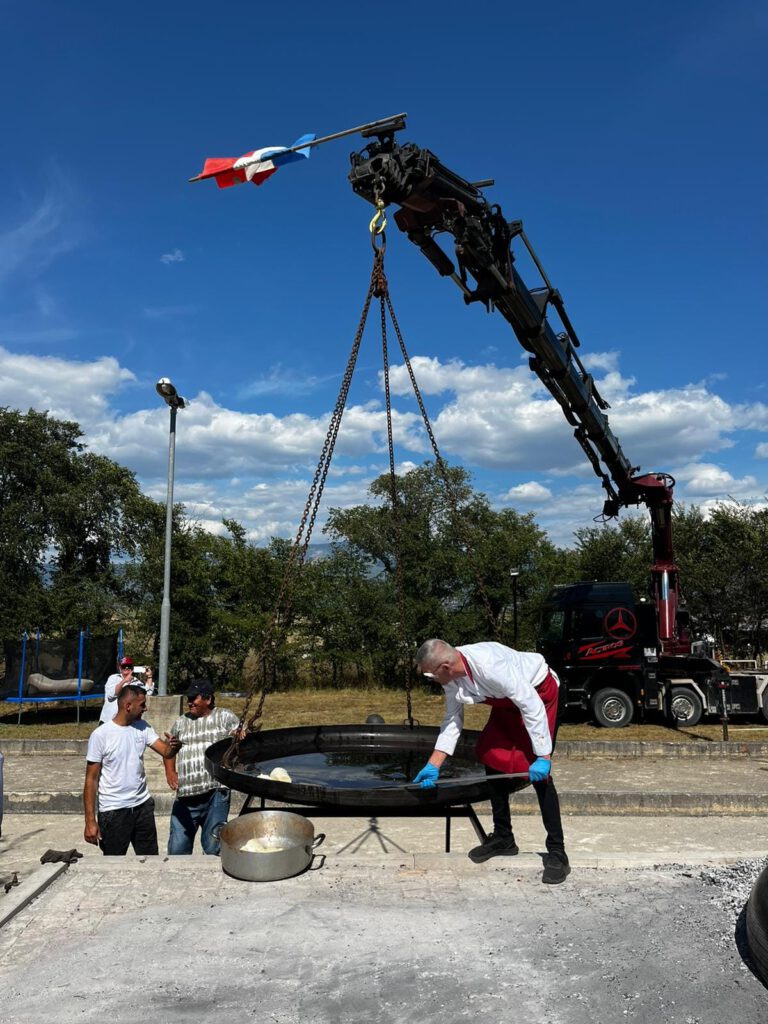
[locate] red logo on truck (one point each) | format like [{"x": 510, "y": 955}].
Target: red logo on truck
[
  {"x": 620, "y": 623},
  {"x": 602, "y": 649}
]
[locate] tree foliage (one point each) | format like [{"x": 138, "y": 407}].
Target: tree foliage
[
  {"x": 455, "y": 553},
  {"x": 67, "y": 519}
]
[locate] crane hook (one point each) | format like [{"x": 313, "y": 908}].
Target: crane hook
[{"x": 377, "y": 227}]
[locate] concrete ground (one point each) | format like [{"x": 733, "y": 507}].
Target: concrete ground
[
  {"x": 388, "y": 928},
  {"x": 433, "y": 941}
]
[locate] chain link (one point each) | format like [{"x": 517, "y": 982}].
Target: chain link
[{"x": 383, "y": 294}]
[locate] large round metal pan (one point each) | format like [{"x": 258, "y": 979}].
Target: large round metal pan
[
  {"x": 277, "y": 743},
  {"x": 757, "y": 926}
]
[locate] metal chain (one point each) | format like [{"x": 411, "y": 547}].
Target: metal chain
[
  {"x": 442, "y": 469},
  {"x": 383, "y": 294},
  {"x": 300, "y": 544},
  {"x": 378, "y": 287}
]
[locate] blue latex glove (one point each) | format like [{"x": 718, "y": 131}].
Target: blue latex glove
[
  {"x": 428, "y": 776},
  {"x": 539, "y": 770}
]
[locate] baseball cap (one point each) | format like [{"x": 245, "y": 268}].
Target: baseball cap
[
  {"x": 200, "y": 687},
  {"x": 126, "y": 661}
]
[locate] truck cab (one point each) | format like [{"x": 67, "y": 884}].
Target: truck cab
[{"x": 603, "y": 644}]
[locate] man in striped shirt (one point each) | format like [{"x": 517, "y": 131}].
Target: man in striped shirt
[{"x": 201, "y": 801}]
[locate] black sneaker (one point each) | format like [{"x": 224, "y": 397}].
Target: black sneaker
[
  {"x": 556, "y": 868},
  {"x": 494, "y": 846}
]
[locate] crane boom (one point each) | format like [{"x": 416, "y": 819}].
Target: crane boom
[{"x": 434, "y": 200}]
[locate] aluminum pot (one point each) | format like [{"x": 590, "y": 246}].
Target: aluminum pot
[{"x": 288, "y": 842}]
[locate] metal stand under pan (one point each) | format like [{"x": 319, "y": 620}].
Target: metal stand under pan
[{"x": 372, "y": 750}]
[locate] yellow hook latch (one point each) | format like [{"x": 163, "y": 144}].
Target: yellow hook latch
[{"x": 379, "y": 219}]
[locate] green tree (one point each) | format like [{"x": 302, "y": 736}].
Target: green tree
[
  {"x": 724, "y": 569},
  {"x": 620, "y": 552},
  {"x": 455, "y": 554},
  {"x": 67, "y": 519}
]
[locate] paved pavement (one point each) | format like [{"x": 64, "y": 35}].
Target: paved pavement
[{"x": 123, "y": 939}]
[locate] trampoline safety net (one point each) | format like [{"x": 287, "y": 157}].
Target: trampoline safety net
[{"x": 46, "y": 663}]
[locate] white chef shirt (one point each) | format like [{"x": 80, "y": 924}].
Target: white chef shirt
[{"x": 498, "y": 671}]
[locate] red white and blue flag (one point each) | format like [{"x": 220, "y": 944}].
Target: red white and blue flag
[{"x": 256, "y": 166}]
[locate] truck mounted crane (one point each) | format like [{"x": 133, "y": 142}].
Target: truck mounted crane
[{"x": 615, "y": 655}]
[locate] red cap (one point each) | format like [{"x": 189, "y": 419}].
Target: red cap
[{"x": 126, "y": 661}]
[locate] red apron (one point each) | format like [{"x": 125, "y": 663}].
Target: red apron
[{"x": 504, "y": 743}]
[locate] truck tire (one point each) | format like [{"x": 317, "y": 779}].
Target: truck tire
[
  {"x": 612, "y": 708},
  {"x": 685, "y": 706}
]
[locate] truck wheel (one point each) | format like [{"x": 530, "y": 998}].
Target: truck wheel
[
  {"x": 685, "y": 706},
  {"x": 612, "y": 708}
]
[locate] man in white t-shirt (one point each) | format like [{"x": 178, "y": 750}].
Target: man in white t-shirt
[
  {"x": 112, "y": 688},
  {"x": 119, "y": 812}
]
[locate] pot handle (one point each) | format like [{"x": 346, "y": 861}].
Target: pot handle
[
  {"x": 320, "y": 858},
  {"x": 216, "y": 830},
  {"x": 319, "y": 838}
]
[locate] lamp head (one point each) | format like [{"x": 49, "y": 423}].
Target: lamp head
[{"x": 169, "y": 394}]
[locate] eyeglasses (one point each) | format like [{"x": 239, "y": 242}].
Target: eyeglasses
[{"x": 126, "y": 668}]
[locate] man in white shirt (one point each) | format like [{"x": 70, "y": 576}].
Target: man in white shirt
[
  {"x": 112, "y": 689},
  {"x": 519, "y": 735},
  {"x": 118, "y": 808}
]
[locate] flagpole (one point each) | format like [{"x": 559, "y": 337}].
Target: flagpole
[
  {"x": 349, "y": 131},
  {"x": 328, "y": 138}
]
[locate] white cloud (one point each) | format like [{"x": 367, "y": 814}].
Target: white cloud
[
  {"x": 761, "y": 451},
  {"x": 280, "y": 381},
  {"x": 434, "y": 377},
  {"x": 66, "y": 388},
  {"x": 608, "y": 361},
  {"x": 174, "y": 256},
  {"x": 751, "y": 417},
  {"x": 31, "y": 246},
  {"x": 257, "y": 467},
  {"x": 706, "y": 480},
  {"x": 529, "y": 494}
]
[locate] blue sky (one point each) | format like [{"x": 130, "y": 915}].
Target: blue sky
[{"x": 630, "y": 140}]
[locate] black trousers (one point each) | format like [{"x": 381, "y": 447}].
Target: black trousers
[
  {"x": 128, "y": 826},
  {"x": 549, "y": 804}
]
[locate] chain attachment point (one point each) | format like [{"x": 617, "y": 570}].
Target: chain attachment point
[{"x": 377, "y": 226}]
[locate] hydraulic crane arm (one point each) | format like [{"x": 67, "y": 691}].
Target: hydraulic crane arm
[{"x": 433, "y": 200}]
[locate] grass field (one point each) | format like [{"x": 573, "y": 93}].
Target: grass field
[{"x": 352, "y": 707}]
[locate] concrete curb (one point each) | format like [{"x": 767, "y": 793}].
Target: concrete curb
[
  {"x": 70, "y": 747},
  {"x": 457, "y": 863},
  {"x": 597, "y": 804},
  {"x": 532, "y": 863},
  {"x": 20, "y": 896},
  {"x": 617, "y": 748},
  {"x": 576, "y": 749}
]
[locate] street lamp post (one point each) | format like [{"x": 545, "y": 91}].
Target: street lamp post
[
  {"x": 513, "y": 574},
  {"x": 174, "y": 401}
]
